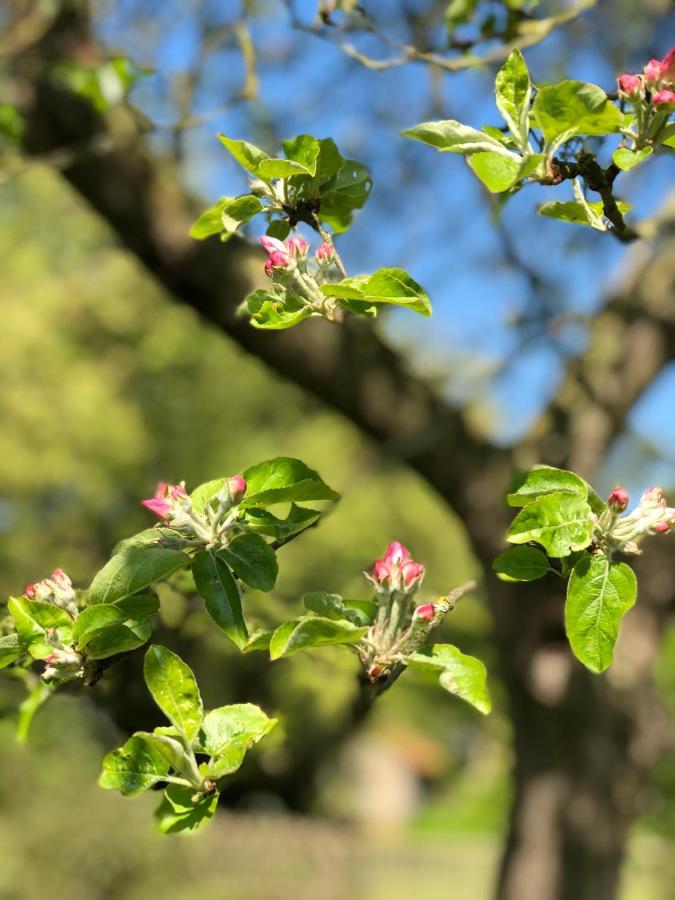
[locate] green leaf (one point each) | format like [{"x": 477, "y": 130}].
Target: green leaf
[
  {"x": 133, "y": 570},
  {"x": 247, "y": 155},
  {"x": 139, "y": 606},
  {"x": 627, "y": 159},
  {"x": 227, "y": 215},
  {"x": 561, "y": 523},
  {"x": 175, "y": 754},
  {"x": 259, "y": 640},
  {"x": 174, "y": 689},
  {"x": 461, "y": 675},
  {"x": 95, "y": 618},
  {"x": 227, "y": 762},
  {"x": 332, "y": 606},
  {"x": 458, "y": 12},
  {"x": 205, "y": 493},
  {"x": 521, "y": 564},
  {"x": 262, "y": 521},
  {"x": 11, "y": 648},
  {"x": 118, "y": 639},
  {"x": 564, "y": 110},
  {"x": 253, "y": 560},
  {"x": 150, "y": 537},
  {"x": 133, "y": 768},
  {"x": 344, "y": 192},
  {"x": 497, "y": 172},
  {"x": 450, "y": 136},
  {"x": 587, "y": 213},
  {"x": 542, "y": 480},
  {"x": 276, "y": 313},
  {"x": 310, "y": 631},
  {"x": 384, "y": 286},
  {"x": 304, "y": 151},
  {"x": 361, "y": 612},
  {"x": 240, "y": 720},
  {"x": 284, "y": 480},
  {"x": 215, "y": 583},
  {"x": 279, "y": 229},
  {"x": 513, "y": 91},
  {"x": 177, "y": 811},
  {"x": 598, "y": 594},
  {"x": 32, "y": 617},
  {"x": 330, "y": 159}
]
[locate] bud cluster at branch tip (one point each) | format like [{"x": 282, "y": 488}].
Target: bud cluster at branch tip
[
  {"x": 57, "y": 589},
  {"x": 658, "y": 78}
]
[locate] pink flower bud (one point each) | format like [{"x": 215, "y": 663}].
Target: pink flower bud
[
  {"x": 297, "y": 246},
  {"x": 277, "y": 253},
  {"x": 653, "y": 72},
  {"x": 662, "y": 527},
  {"x": 29, "y": 590},
  {"x": 618, "y": 499},
  {"x": 630, "y": 86},
  {"x": 165, "y": 496},
  {"x": 411, "y": 571},
  {"x": 324, "y": 252},
  {"x": 61, "y": 580},
  {"x": 396, "y": 553},
  {"x": 668, "y": 68},
  {"x": 380, "y": 570},
  {"x": 664, "y": 101},
  {"x": 52, "y": 659},
  {"x": 237, "y": 487},
  {"x": 425, "y": 612}
]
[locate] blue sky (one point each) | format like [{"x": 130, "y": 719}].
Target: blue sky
[{"x": 427, "y": 213}]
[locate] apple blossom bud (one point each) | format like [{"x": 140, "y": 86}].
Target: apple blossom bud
[
  {"x": 164, "y": 501},
  {"x": 668, "y": 68},
  {"x": 630, "y": 87},
  {"x": 664, "y": 101},
  {"x": 396, "y": 553},
  {"x": 653, "y": 72},
  {"x": 662, "y": 527},
  {"x": 325, "y": 252},
  {"x": 29, "y": 590},
  {"x": 278, "y": 256},
  {"x": 411, "y": 571},
  {"x": 396, "y": 571},
  {"x": 425, "y": 612},
  {"x": 297, "y": 246},
  {"x": 618, "y": 499},
  {"x": 237, "y": 486}
]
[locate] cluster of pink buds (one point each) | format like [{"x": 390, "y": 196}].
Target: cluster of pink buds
[
  {"x": 284, "y": 256},
  {"x": 651, "y": 516},
  {"x": 209, "y": 526},
  {"x": 57, "y": 589},
  {"x": 325, "y": 252},
  {"x": 658, "y": 78},
  {"x": 396, "y": 571}
]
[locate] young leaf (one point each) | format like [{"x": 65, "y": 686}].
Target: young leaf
[
  {"x": 173, "y": 686},
  {"x": 513, "y": 91},
  {"x": 173, "y": 751},
  {"x": 559, "y": 522},
  {"x": 118, "y": 639},
  {"x": 32, "y": 617},
  {"x": 252, "y": 560},
  {"x": 564, "y": 110},
  {"x": 177, "y": 811},
  {"x": 304, "y": 151},
  {"x": 627, "y": 159},
  {"x": 344, "y": 192},
  {"x": 590, "y": 212},
  {"x": 452, "y": 137},
  {"x": 598, "y": 594},
  {"x": 133, "y": 570},
  {"x": 205, "y": 492},
  {"x": 269, "y": 311},
  {"x": 11, "y": 648},
  {"x": 384, "y": 286},
  {"x": 262, "y": 521},
  {"x": 461, "y": 675},
  {"x": 284, "y": 480},
  {"x": 497, "y": 172},
  {"x": 215, "y": 583},
  {"x": 542, "y": 480},
  {"x": 259, "y": 640},
  {"x": 332, "y": 606},
  {"x": 222, "y": 725},
  {"x": 94, "y": 619},
  {"x": 247, "y": 155},
  {"x": 310, "y": 631},
  {"x": 521, "y": 564},
  {"x": 133, "y": 768},
  {"x": 227, "y": 216}
]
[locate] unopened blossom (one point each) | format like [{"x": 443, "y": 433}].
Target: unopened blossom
[
  {"x": 426, "y": 612},
  {"x": 325, "y": 252},
  {"x": 167, "y": 499},
  {"x": 618, "y": 499},
  {"x": 237, "y": 486},
  {"x": 664, "y": 101},
  {"x": 57, "y": 589},
  {"x": 660, "y": 73},
  {"x": 297, "y": 246},
  {"x": 630, "y": 86},
  {"x": 278, "y": 256},
  {"x": 396, "y": 570},
  {"x": 651, "y": 516}
]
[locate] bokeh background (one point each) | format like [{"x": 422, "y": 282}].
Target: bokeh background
[{"x": 108, "y": 384}]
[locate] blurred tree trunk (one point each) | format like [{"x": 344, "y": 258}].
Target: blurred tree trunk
[{"x": 583, "y": 745}]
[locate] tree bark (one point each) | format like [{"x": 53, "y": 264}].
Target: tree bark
[{"x": 583, "y": 744}]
